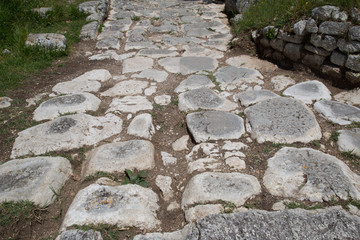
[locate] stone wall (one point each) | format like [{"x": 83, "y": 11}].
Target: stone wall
[{"x": 327, "y": 43}]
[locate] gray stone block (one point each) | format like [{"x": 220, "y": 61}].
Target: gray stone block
[
  {"x": 89, "y": 31},
  {"x": 337, "y": 112},
  {"x": 248, "y": 98},
  {"x": 194, "y": 82},
  {"x": 354, "y": 33},
  {"x": 334, "y": 28},
  {"x": 348, "y": 46},
  {"x": 277, "y": 44},
  {"x": 327, "y": 42},
  {"x": 338, "y": 58},
  {"x": 293, "y": 51},
  {"x": 353, "y": 62},
  {"x": 76, "y": 234},
  {"x": 49, "y": 41},
  {"x": 349, "y": 140},
  {"x": 323, "y": 13},
  {"x": 313, "y": 61},
  {"x": 318, "y": 51},
  {"x": 311, "y": 26},
  {"x": 300, "y": 28}
]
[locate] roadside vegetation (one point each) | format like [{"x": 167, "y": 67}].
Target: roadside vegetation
[
  {"x": 17, "y": 20},
  {"x": 281, "y": 13}
]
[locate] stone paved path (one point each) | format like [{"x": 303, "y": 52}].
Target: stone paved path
[{"x": 171, "y": 56}]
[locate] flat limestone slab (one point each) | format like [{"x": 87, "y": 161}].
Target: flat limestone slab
[
  {"x": 308, "y": 174},
  {"x": 214, "y": 125},
  {"x": 194, "y": 82},
  {"x": 152, "y": 74},
  {"x": 330, "y": 223},
  {"x": 235, "y": 76},
  {"x": 65, "y": 133},
  {"x": 78, "y": 103},
  {"x": 32, "y": 179},
  {"x": 142, "y": 126},
  {"x": 281, "y": 81},
  {"x": 157, "y": 53},
  {"x": 251, "y": 62},
  {"x": 126, "y": 88},
  {"x": 137, "y": 64},
  {"x": 188, "y": 65},
  {"x": 349, "y": 97},
  {"x": 204, "y": 98},
  {"x": 131, "y": 104},
  {"x": 210, "y": 187},
  {"x": 308, "y": 91},
  {"x": 124, "y": 206},
  {"x": 349, "y": 140},
  {"x": 79, "y": 234},
  {"x": 248, "y": 98},
  {"x": 282, "y": 120},
  {"x": 337, "y": 112},
  {"x": 116, "y": 157}
]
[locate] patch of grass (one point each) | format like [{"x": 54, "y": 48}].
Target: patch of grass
[
  {"x": 100, "y": 175},
  {"x": 349, "y": 155},
  {"x": 354, "y": 125},
  {"x": 334, "y": 136},
  {"x": 13, "y": 212},
  {"x": 356, "y": 203},
  {"x": 213, "y": 80},
  {"x": 293, "y": 205},
  {"x": 174, "y": 101},
  {"x": 135, "y": 18},
  {"x": 132, "y": 178},
  {"x": 316, "y": 143},
  {"x": 229, "y": 207}
]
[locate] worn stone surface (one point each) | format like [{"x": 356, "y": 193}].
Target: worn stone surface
[
  {"x": 152, "y": 74},
  {"x": 349, "y": 97},
  {"x": 308, "y": 91},
  {"x": 126, "y": 88},
  {"x": 176, "y": 235},
  {"x": 334, "y": 28},
  {"x": 211, "y": 187},
  {"x": 122, "y": 206},
  {"x": 349, "y": 140},
  {"x": 31, "y": 179},
  {"x": 116, "y": 157},
  {"x": 308, "y": 174},
  {"x": 89, "y": 31},
  {"x": 214, "y": 125},
  {"x": 168, "y": 159},
  {"x": 65, "y": 133},
  {"x": 234, "y": 75},
  {"x": 195, "y": 213},
  {"x": 337, "y": 112},
  {"x": 76, "y": 234},
  {"x": 204, "y": 98},
  {"x": 164, "y": 183},
  {"x": 325, "y": 41},
  {"x": 181, "y": 143},
  {"x": 52, "y": 41},
  {"x": 251, "y": 62},
  {"x": 282, "y": 120},
  {"x": 188, "y": 65},
  {"x": 354, "y": 33},
  {"x": 348, "y": 46},
  {"x": 131, "y": 104},
  {"x": 142, "y": 126},
  {"x": 137, "y": 64},
  {"x": 353, "y": 62},
  {"x": 324, "y": 13},
  {"x": 74, "y": 103},
  {"x": 293, "y": 51},
  {"x": 5, "y": 102},
  {"x": 338, "y": 58},
  {"x": 280, "y": 82},
  {"x": 194, "y": 82},
  {"x": 248, "y": 98}
]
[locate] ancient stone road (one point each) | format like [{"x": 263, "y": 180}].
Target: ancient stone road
[{"x": 227, "y": 108}]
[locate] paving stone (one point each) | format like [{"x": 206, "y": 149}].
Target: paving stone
[
  {"x": 33, "y": 179},
  {"x": 290, "y": 224},
  {"x": 89, "y": 31},
  {"x": 171, "y": 40},
  {"x": 157, "y": 53},
  {"x": 65, "y": 133},
  {"x": 5, "y": 102},
  {"x": 203, "y": 150},
  {"x": 164, "y": 183},
  {"x": 203, "y": 164},
  {"x": 168, "y": 159},
  {"x": 111, "y": 54},
  {"x": 122, "y": 206},
  {"x": 235, "y": 163},
  {"x": 282, "y": 120},
  {"x": 162, "y": 100},
  {"x": 116, "y": 157},
  {"x": 196, "y": 50},
  {"x": 195, "y": 213},
  {"x": 142, "y": 126},
  {"x": 137, "y": 64},
  {"x": 337, "y": 112},
  {"x": 110, "y": 34},
  {"x": 188, "y": 65},
  {"x": 194, "y": 82},
  {"x": 236, "y": 76},
  {"x": 152, "y": 74},
  {"x": 126, "y": 88},
  {"x": 46, "y": 40},
  {"x": 308, "y": 91},
  {"x": 181, "y": 143},
  {"x": 150, "y": 90},
  {"x": 280, "y": 82},
  {"x": 76, "y": 234},
  {"x": 211, "y": 187},
  {"x": 78, "y": 103},
  {"x": 176, "y": 235},
  {"x": 214, "y": 125},
  {"x": 130, "y": 104},
  {"x": 349, "y": 140},
  {"x": 204, "y": 98},
  {"x": 108, "y": 43},
  {"x": 349, "y": 97},
  {"x": 248, "y": 98},
  {"x": 308, "y": 174},
  {"x": 251, "y": 62}
]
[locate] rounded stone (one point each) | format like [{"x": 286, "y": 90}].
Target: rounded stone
[
  {"x": 308, "y": 91},
  {"x": 337, "y": 112},
  {"x": 349, "y": 141}
]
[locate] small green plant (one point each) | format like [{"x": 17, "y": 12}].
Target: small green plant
[
  {"x": 210, "y": 29},
  {"x": 174, "y": 102},
  {"x": 14, "y": 212},
  {"x": 132, "y": 178},
  {"x": 270, "y": 34},
  {"x": 293, "y": 205},
  {"x": 316, "y": 144},
  {"x": 349, "y": 155},
  {"x": 354, "y": 125},
  {"x": 356, "y": 203},
  {"x": 135, "y": 18},
  {"x": 334, "y": 136},
  {"x": 213, "y": 80},
  {"x": 229, "y": 207}
]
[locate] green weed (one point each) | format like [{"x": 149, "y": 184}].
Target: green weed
[
  {"x": 354, "y": 125},
  {"x": 349, "y": 155},
  {"x": 135, "y": 18},
  {"x": 316, "y": 143},
  {"x": 334, "y": 136},
  {"x": 13, "y": 212},
  {"x": 132, "y": 178},
  {"x": 293, "y": 205}
]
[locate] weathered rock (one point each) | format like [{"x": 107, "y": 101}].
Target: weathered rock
[
  {"x": 195, "y": 213},
  {"x": 74, "y": 103},
  {"x": 108, "y": 43},
  {"x": 164, "y": 183},
  {"x": 353, "y": 77},
  {"x": 334, "y": 28},
  {"x": 131, "y": 104},
  {"x": 124, "y": 206},
  {"x": 235, "y": 163},
  {"x": 300, "y": 28},
  {"x": 290, "y": 37},
  {"x": 308, "y": 91},
  {"x": 308, "y": 174},
  {"x": 43, "y": 11},
  {"x": 137, "y": 64},
  {"x": 5, "y": 102},
  {"x": 280, "y": 82},
  {"x": 293, "y": 51},
  {"x": 194, "y": 82},
  {"x": 177, "y": 235},
  {"x": 76, "y": 234},
  {"x": 338, "y": 58},
  {"x": 354, "y": 33},
  {"x": 288, "y": 224},
  {"x": 355, "y": 15},
  {"x": 331, "y": 71},
  {"x": 89, "y": 31},
  {"x": 337, "y": 112},
  {"x": 348, "y": 46},
  {"x": 65, "y": 133},
  {"x": 213, "y": 125},
  {"x": 325, "y": 41},
  {"x": 339, "y": 16},
  {"x": 188, "y": 65},
  {"x": 251, "y": 62},
  {"x": 248, "y": 98},
  {"x": 162, "y": 100},
  {"x": 211, "y": 187},
  {"x": 324, "y": 13},
  {"x": 236, "y": 6},
  {"x": 233, "y": 75},
  {"x": 126, "y": 88},
  {"x": 353, "y": 62},
  {"x": 168, "y": 159},
  {"x": 311, "y": 26},
  {"x": 277, "y": 44},
  {"x": 142, "y": 126},
  {"x": 181, "y": 143},
  {"x": 318, "y": 51},
  {"x": 282, "y": 120},
  {"x": 157, "y": 53},
  {"x": 33, "y": 179},
  {"x": 349, "y": 140},
  {"x": 152, "y": 74},
  {"x": 349, "y": 97},
  {"x": 52, "y": 41},
  {"x": 204, "y": 98}
]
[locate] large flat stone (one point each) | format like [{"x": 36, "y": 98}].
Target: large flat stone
[
  {"x": 76, "y": 234},
  {"x": 214, "y": 125},
  {"x": 204, "y": 98},
  {"x": 137, "y": 64},
  {"x": 116, "y": 157},
  {"x": 234, "y": 75},
  {"x": 49, "y": 41},
  {"x": 126, "y": 88},
  {"x": 78, "y": 103},
  {"x": 152, "y": 74},
  {"x": 194, "y": 82},
  {"x": 65, "y": 133},
  {"x": 308, "y": 174},
  {"x": 131, "y": 104},
  {"x": 280, "y": 82},
  {"x": 248, "y": 98},
  {"x": 142, "y": 126},
  {"x": 332, "y": 223},
  {"x": 188, "y": 65},
  {"x": 176, "y": 235},
  {"x": 211, "y": 187},
  {"x": 157, "y": 53},
  {"x": 123, "y": 206},
  {"x": 349, "y": 97},
  {"x": 337, "y": 112},
  {"x": 32, "y": 179},
  {"x": 308, "y": 91},
  {"x": 349, "y": 140},
  {"x": 251, "y": 62},
  {"x": 282, "y": 120}
]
